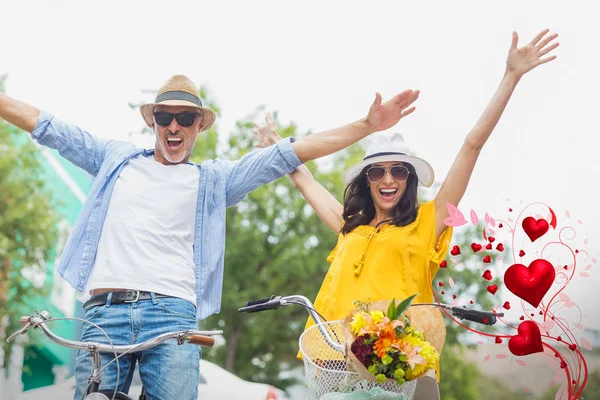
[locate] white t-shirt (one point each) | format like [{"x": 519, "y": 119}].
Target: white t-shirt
[{"x": 148, "y": 235}]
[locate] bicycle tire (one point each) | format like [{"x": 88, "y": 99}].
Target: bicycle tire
[{"x": 109, "y": 394}]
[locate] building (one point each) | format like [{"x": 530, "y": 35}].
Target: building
[{"x": 35, "y": 360}]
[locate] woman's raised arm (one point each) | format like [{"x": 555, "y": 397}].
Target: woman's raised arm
[
  {"x": 519, "y": 62},
  {"x": 325, "y": 205}
]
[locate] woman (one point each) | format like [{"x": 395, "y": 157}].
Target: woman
[{"x": 388, "y": 245}]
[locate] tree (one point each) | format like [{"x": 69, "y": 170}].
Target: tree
[
  {"x": 591, "y": 390},
  {"x": 28, "y": 230},
  {"x": 275, "y": 245},
  {"x": 467, "y": 277}
]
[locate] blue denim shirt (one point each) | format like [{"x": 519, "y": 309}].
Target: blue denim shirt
[{"x": 222, "y": 184}]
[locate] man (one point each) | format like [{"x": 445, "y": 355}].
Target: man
[{"x": 149, "y": 241}]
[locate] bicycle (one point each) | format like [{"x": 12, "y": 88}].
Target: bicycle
[
  {"x": 39, "y": 320},
  {"x": 324, "y": 353}
]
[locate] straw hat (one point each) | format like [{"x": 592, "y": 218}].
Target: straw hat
[
  {"x": 384, "y": 147},
  {"x": 179, "y": 90}
]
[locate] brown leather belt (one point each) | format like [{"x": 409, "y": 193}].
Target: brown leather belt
[{"x": 127, "y": 296}]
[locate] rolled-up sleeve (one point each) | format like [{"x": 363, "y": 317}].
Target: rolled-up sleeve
[
  {"x": 73, "y": 143},
  {"x": 258, "y": 168}
]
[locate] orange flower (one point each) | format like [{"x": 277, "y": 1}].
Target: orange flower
[{"x": 382, "y": 344}]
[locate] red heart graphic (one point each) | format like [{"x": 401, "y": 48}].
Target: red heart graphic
[
  {"x": 521, "y": 318},
  {"x": 527, "y": 341},
  {"x": 506, "y": 305},
  {"x": 521, "y": 253},
  {"x": 531, "y": 284},
  {"x": 455, "y": 250},
  {"x": 487, "y": 275},
  {"x": 500, "y": 225},
  {"x": 487, "y": 259},
  {"x": 573, "y": 346},
  {"x": 492, "y": 289},
  {"x": 535, "y": 228},
  {"x": 500, "y": 247},
  {"x": 488, "y": 246},
  {"x": 491, "y": 239},
  {"x": 498, "y": 340},
  {"x": 476, "y": 247},
  {"x": 563, "y": 364},
  {"x": 443, "y": 264},
  {"x": 441, "y": 284}
]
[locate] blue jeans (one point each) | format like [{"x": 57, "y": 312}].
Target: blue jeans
[{"x": 168, "y": 371}]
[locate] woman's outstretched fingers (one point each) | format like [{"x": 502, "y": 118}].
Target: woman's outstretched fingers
[
  {"x": 549, "y": 49},
  {"x": 547, "y": 59},
  {"x": 544, "y": 42},
  {"x": 539, "y": 37}
]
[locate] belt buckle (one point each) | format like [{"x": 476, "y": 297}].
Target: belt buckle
[{"x": 137, "y": 297}]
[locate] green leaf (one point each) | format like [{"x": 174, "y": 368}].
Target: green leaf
[
  {"x": 404, "y": 306},
  {"x": 391, "y": 313}
]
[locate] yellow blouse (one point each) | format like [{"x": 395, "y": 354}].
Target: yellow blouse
[{"x": 371, "y": 264}]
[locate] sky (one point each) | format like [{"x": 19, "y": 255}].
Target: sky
[{"x": 319, "y": 65}]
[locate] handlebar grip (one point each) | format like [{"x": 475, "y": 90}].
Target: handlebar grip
[
  {"x": 272, "y": 303},
  {"x": 24, "y": 320},
  {"x": 481, "y": 317},
  {"x": 200, "y": 340}
]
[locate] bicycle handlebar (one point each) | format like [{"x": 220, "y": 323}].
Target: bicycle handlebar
[
  {"x": 274, "y": 302},
  {"x": 202, "y": 338}
]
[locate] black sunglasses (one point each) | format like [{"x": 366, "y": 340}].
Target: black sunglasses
[
  {"x": 376, "y": 173},
  {"x": 184, "y": 119}
]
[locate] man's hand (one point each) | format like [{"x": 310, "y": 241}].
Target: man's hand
[
  {"x": 383, "y": 116},
  {"x": 524, "y": 59},
  {"x": 265, "y": 135}
]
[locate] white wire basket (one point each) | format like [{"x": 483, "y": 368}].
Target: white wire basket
[{"x": 326, "y": 375}]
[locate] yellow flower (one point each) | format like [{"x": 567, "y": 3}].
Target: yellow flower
[
  {"x": 377, "y": 316},
  {"x": 358, "y": 322},
  {"x": 427, "y": 352}
]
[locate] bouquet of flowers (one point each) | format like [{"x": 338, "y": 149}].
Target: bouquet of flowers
[{"x": 386, "y": 345}]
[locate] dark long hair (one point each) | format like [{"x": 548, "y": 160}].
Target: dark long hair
[{"x": 359, "y": 208}]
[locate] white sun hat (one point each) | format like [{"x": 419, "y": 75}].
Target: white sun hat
[{"x": 384, "y": 147}]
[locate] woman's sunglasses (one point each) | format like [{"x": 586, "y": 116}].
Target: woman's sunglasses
[
  {"x": 399, "y": 173},
  {"x": 184, "y": 119}
]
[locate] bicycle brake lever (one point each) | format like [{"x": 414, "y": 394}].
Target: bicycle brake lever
[{"x": 21, "y": 331}]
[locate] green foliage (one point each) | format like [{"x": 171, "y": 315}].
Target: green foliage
[
  {"x": 468, "y": 283},
  {"x": 403, "y": 306},
  {"x": 591, "y": 390},
  {"x": 275, "y": 245},
  {"x": 459, "y": 376},
  {"x": 27, "y": 227}
]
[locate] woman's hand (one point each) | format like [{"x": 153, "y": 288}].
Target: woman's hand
[
  {"x": 524, "y": 59},
  {"x": 265, "y": 135}
]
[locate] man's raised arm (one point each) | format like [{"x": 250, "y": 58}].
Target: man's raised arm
[
  {"x": 381, "y": 116},
  {"x": 17, "y": 113}
]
